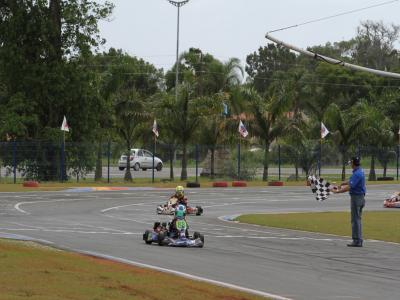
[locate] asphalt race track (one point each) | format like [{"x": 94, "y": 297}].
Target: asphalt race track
[{"x": 290, "y": 264}]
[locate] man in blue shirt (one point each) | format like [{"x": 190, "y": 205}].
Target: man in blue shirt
[{"x": 356, "y": 187}]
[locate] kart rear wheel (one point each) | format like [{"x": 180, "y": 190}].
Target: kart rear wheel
[
  {"x": 147, "y": 237},
  {"x": 202, "y": 238},
  {"x": 160, "y": 238},
  {"x": 198, "y": 235}
]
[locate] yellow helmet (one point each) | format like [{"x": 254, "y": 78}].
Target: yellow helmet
[{"x": 179, "y": 190}]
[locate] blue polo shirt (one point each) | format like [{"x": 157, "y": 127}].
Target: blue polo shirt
[{"x": 357, "y": 182}]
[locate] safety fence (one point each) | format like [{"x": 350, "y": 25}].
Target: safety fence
[{"x": 48, "y": 161}]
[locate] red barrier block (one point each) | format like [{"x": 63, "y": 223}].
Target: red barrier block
[
  {"x": 275, "y": 183},
  {"x": 220, "y": 184},
  {"x": 239, "y": 183},
  {"x": 30, "y": 183}
]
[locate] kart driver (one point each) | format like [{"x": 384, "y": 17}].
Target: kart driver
[
  {"x": 159, "y": 227},
  {"x": 394, "y": 198},
  {"x": 180, "y": 214},
  {"x": 179, "y": 197}
]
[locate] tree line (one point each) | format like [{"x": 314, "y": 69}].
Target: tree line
[{"x": 51, "y": 66}]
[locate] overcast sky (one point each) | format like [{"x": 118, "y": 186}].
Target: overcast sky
[{"x": 232, "y": 28}]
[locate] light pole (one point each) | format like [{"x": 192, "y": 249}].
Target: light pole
[{"x": 178, "y": 4}]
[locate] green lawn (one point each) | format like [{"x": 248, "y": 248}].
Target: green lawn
[
  {"x": 31, "y": 271},
  {"x": 377, "y": 225}
]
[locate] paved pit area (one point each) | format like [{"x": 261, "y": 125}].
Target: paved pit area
[{"x": 291, "y": 264}]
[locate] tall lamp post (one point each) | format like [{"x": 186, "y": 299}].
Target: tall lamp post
[{"x": 178, "y": 4}]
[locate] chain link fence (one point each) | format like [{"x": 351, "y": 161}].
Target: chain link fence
[{"x": 47, "y": 161}]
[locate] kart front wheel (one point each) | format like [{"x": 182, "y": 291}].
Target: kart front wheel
[{"x": 199, "y": 210}]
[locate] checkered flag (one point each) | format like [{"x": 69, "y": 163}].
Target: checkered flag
[{"x": 320, "y": 187}]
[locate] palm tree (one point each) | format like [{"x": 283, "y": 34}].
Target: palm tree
[
  {"x": 183, "y": 117},
  {"x": 378, "y": 136},
  {"x": 205, "y": 80},
  {"x": 222, "y": 79},
  {"x": 301, "y": 146},
  {"x": 345, "y": 127},
  {"x": 129, "y": 114},
  {"x": 268, "y": 121}
]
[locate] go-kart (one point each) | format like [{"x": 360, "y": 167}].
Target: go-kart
[
  {"x": 169, "y": 208},
  {"x": 177, "y": 236},
  {"x": 393, "y": 201}
]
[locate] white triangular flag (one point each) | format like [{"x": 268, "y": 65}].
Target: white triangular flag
[
  {"x": 155, "y": 129},
  {"x": 324, "y": 131},
  {"x": 64, "y": 125},
  {"x": 242, "y": 130}
]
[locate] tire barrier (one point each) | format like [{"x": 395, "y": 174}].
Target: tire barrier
[
  {"x": 275, "y": 183},
  {"x": 220, "y": 184},
  {"x": 387, "y": 178},
  {"x": 30, "y": 184},
  {"x": 239, "y": 183},
  {"x": 193, "y": 185}
]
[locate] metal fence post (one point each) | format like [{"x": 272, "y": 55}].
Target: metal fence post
[
  {"x": 171, "y": 162},
  {"x": 197, "y": 162},
  {"x": 397, "y": 165},
  {"x": 108, "y": 160},
  {"x": 320, "y": 159},
  {"x": 15, "y": 160},
  {"x": 62, "y": 162},
  {"x": 238, "y": 161},
  {"x": 279, "y": 162},
  {"x": 154, "y": 153}
]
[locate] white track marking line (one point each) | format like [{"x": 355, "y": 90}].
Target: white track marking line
[
  {"x": 101, "y": 227},
  {"x": 260, "y": 201},
  {"x": 186, "y": 275},
  {"x": 17, "y": 206},
  {"x": 8, "y": 235},
  {"x": 279, "y": 238},
  {"x": 122, "y": 206},
  {"x": 236, "y": 228},
  {"x": 336, "y": 237},
  {"x": 127, "y": 219},
  {"x": 70, "y": 230}
]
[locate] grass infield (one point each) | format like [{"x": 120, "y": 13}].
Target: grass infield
[
  {"x": 29, "y": 270},
  {"x": 377, "y": 225}
]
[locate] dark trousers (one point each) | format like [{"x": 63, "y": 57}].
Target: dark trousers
[{"x": 357, "y": 205}]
